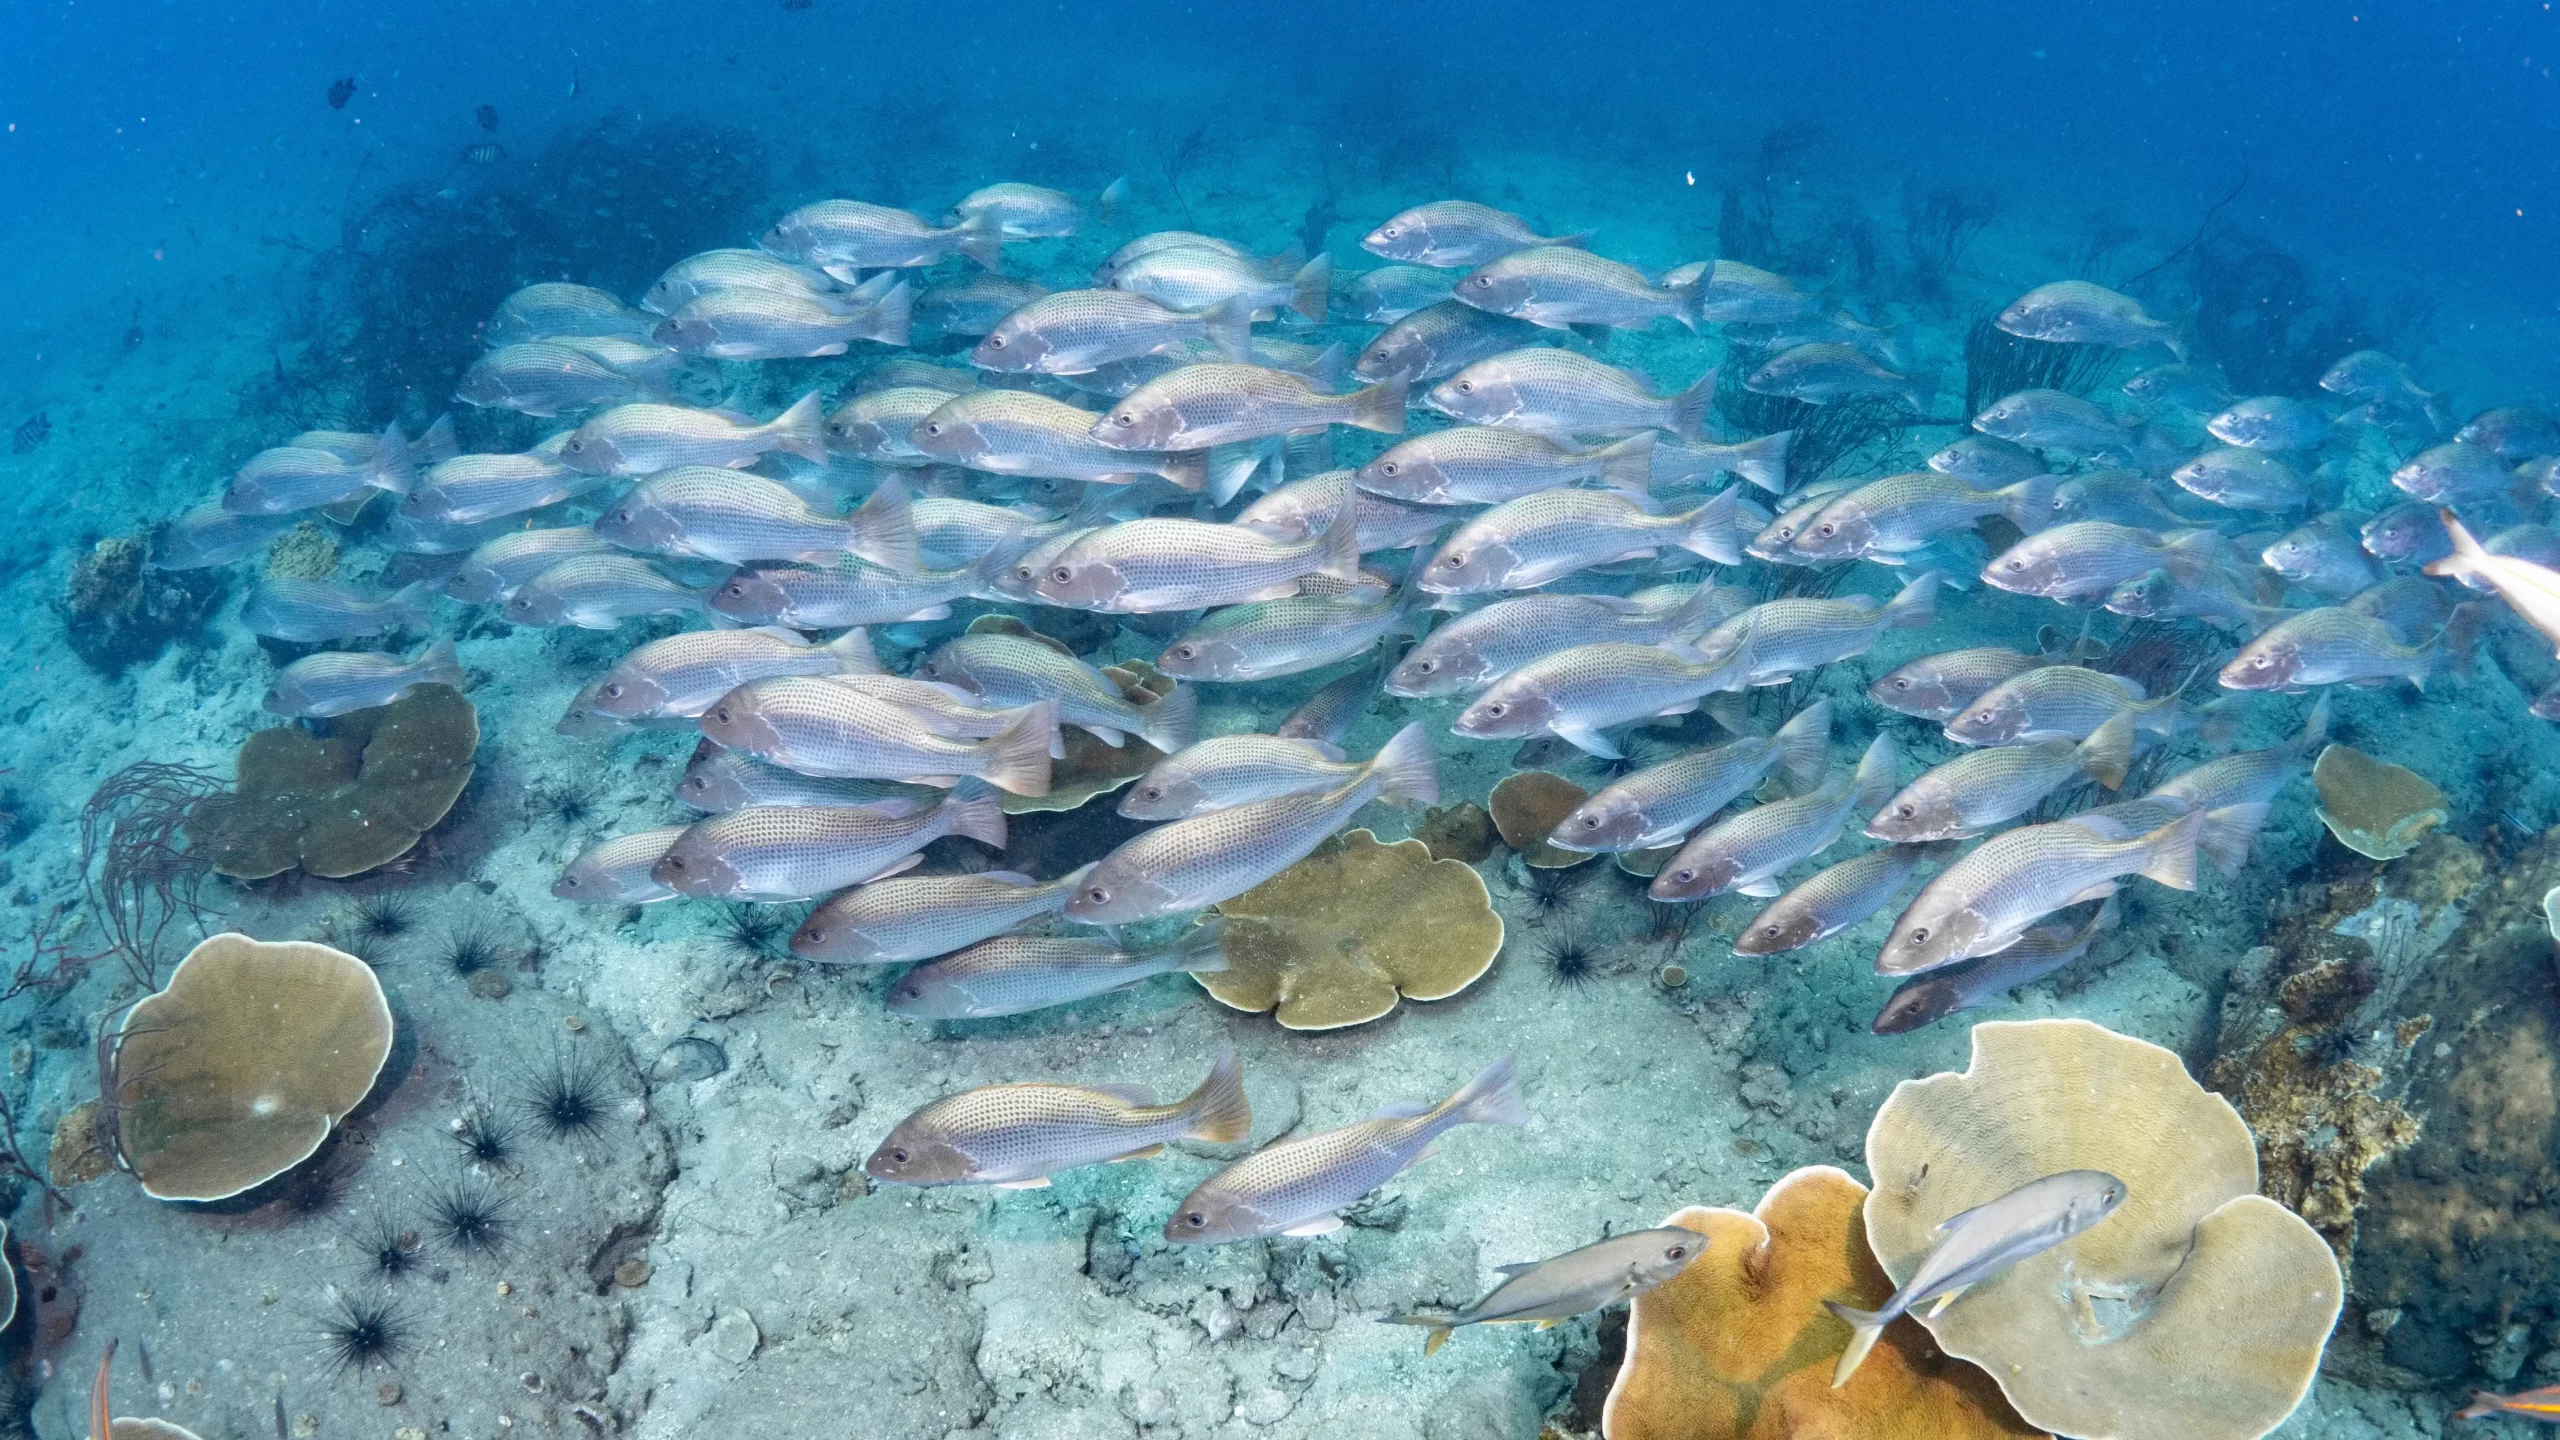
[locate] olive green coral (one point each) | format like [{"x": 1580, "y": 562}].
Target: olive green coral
[{"x": 345, "y": 803}]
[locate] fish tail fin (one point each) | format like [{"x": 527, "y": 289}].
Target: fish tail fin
[
  {"x": 1229, "y": 326},
  {"x": 1874, "y": 781},
  {"x": 1689, "y": 407},
  {"x": 441, "y": 665},
  {"x": 2465, "y": 561},
  {"x": 2315, "y": 727},
  {"x": 1172, "y": 720},
  {"x": 415, "y": 603},
  {"x": 1018, "y": 759},
  {"x": 1230, "y": 466},
  {"x": 2483, "y": 1405},
  {"x": 2108, "y": 751},
  {"x": 982, "y": 240},
  {"x": 1441, "y": 1323},
  {"x": 1627, "y": 466},
  {"x": 395, "y": 465},
  {"x": 883, "y": 528},
  {"x": 893, "y": 319},
  {"x": 1202, "y": 950},
  {"x": 2217, "y": 721},
  {"x": 1311, "y": 289},
  {"x": 1412, "y": 775},
  {"x": 1379, "y": 407},
  {"x": 1696, "y": 615},
  {"x": 1763, "y": 462},
  {"x": 1917, "y": 605},
  {"x": 1579, "y": 240},
  {"x": 2191, "y": 555},
  {"x": 802, "y": 429},
  {"x": 1113, "y": 196},
  {"x": 1331, "y": 370},
  {"x": 1804, "y": 747},
  {"x": 1713, "y": 530},
  {"x": 2229, "y": 834},
  {"x": 2029, "y": 503},
  {"x": 974, "y": 811},
  {"x": 853, "y": 653},
  {"x": 1492, "y": 1098},
  {"x": 437, "y": 441},
  {"x": 1865, "y": 1328},
  {"x": 2171, "y": 857},
  {"x": 1218, "y": 1111},
  {"x": 1187, "y": 469},
  {"x": 2461, "y": 634},
  {"x": 1339, "y": 546}
]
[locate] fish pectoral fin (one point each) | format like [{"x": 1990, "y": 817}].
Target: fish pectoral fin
[
  {"x": 1439, "y": 1337},
  {"x": 2099, "y": 891},
  {"x": 945, "y": 781},
  {"x": 1548, "y": 1324},
  {"x": 1940, "y": 1308},
  {"x": 1522, "y": 1268},
  {"x": 1040, "y": 1184},
  {"x": 1585, "y": 739},
  {"x": 1281, "y": 591},
  {"x": 1323, "y": 1225},
  {"x": 1133, "y": 1094},
  {"x": 1759, "y": 889},
  {"x": 1143, "y": 1152}
]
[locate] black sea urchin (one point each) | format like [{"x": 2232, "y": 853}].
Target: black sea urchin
[
  {"x": 1570, "y": 961},
  {"x": 385, "y": 916},
  {"x": 318, "y": 1186},
  {"x": 750, "y": 932},
  {"x": 565, "y": 805},
  {"x": 387, "y": 1251},
  {"x": 567, "y": 1097},
  {"x": 1547, "y": 890},
  {"x": 359, "y": 1332},
  {"x": 469, "y": 1216},
  {"x": 484, "y": 1137},
  {"x": 468, "y": 950}
]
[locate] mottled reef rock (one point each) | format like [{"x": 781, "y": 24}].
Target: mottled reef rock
[{"x": 116, "y": 612}]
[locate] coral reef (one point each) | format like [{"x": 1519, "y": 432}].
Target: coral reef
[
  {"x": 2375, "y": 808},
  {"x": 347, "y": 803},
  {"x": 1527, "y": 806},
  {"x": 1739, "y": 1347},
  {"x": 305, "y": 552},
  {"x": 1462, "y": 832},
  {"x": 2196, "y": 1276},
  {"x": 1335, "y": 939},
  {"x": 118, "y": 612},
  {"x": 239, "y": 1070}
]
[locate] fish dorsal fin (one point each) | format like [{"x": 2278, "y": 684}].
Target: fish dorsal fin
[
  {"x": 1133, "y": 1094},
  {"x": 1402, "y": 1110},
  {"x": 1508, "y": 1271},
  {"x": 1143, "y": 1152},
  {"x": 1007, "y": 877},
  {"x": 1948, "y": 1225}
]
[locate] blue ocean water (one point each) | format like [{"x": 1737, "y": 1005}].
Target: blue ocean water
[{"x": 233, "y": 226}]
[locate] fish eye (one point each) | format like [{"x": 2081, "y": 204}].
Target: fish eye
[
  {"x": 614, "y": 690},
  {"x": 1196, "y": 1220},
  {"x": 931, "y": 428},
  {"x": 733, "y": 590},
  {"x": 1906, "y": 811},
  {"x": 1150, "y": 792},
  {"x": 1684, "y": 876},
  {"x": 898, "y": 1156},
  {"x": 2017, "y": 564},
  {"x": 1497, "y": 707},
  {"x": 995, "y": 342},
  {"x": 1826, "y": 528},
  {"x": 575, "y": 446},
  {"x": 1426, "y": 665},
  {"x": 1124, "y": 419},
  {"x": 1676, "y": 1252},
  {"x": 814, "y": 937},
  {"x": 1022, "y": 573},
  {"x": 1186, "y": 652},
  {"x": 1466, "y": 387},
  {"x": 1455, "y": 559},
  {"x": 1097, "y": 894},
  {"x": 1390, "y": 232},
  {"x": 1769, "y": 932},
  {"x": 1985, "y": 717},
  {"x": 1062, "y": 574},
  {"x": 720, "y": 713},
  {"x": 1387, "y": 467},
  {"x": 675, "y": 862},
  {"x": 1920, "y": 936},
  {"x": 1900, "y": 684},
  {"x": 1484, "y": 282},
  {"x": 1590, "y": 822}
]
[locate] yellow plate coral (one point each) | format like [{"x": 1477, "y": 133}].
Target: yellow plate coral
[
  {"x": 2375, "y": 808},
  {"x": 1334, "y": 939}
]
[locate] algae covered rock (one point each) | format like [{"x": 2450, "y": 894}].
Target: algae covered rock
[
  {"x": 116, "y": 611},
  {"x": 347, "y": 802}
]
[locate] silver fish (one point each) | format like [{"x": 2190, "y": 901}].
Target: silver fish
[
  {"x": 1986, "y": 462},
  {"x": 1484, "y": 645},
  {"x": 1195, "y": 277},
  {"x": 2217, "y": 600},
  {"x": 1901, "y": 513},
  {"x": 2271, "y": 422},
  {"x": 1978, "y": 790},
  {"x": 1563, "y": 395},
  {"x": 1020, "y": 1135},
  {"x": 473, "y": 489},
  {"x": 849, "y": 591},
  {"x": 1197, "y": 862},
  {"x": 1825, "y": 374},
  {"x": 916, "y": 917},
  {"x": 2243, "y": 480},
  {"x": 1761, "y": 461},
  {"x": 2053, "y": 420},
  {"x": 1305, "y": 507},
  {"x": 337, "y": 681},
  {"x": 713, "y": 513},
  {"x": 312, "y": 610},
  {"x": 2181, "y": 386},
  {"x": 698, "y": 275},
  {"x": 1018, "y": 432},
  {"x": 1391, "y": 292},
  {"x": 953, "y": 533},
  {"x": 1017, "y": 974},
  {"x": 1660, "y": 805},
  {"x": 1972, "y": 984},
  {"x": 1225, "y": 771},
  {"x": 2331, "y": 645},
  {"x": 1576, "y": 693},
  {"x": 1939, "y": 687},
  {"x": 1561, "y": 286},
  {"x": 1456, "y": 235},
  {"x": 1143, "y": 566},
  {"x": 1777, "y": 639},
  {"x": 879, "y": 425},
  {"x": 1746, "y": 852},
  {"x": 1732, "y": 293},
  {"x": 1834, "y": 899},
  {"x": 1577, "y": 1282},
  {"x": 2059, "y": 702},
  {"x": 546, "y": 377},
  {"x": 1156, "y": 240},
  {"x": 1269, "y": 638},
  {"x": 2323, "y": 557},
  {"x": 1033, "y": 212},
  {"x": 2408, "y": 533},
  {"x": 845, "y": 237},
  {"x": 287, "y": 479},
  {"x": 974, "y": 305},
  {"x": 797, "y": 851},
  {"x": 598, "y": 592},
  {"x": 1983, "y": 902},
  {"x": 2091, "y": 557},
  {"x": 2371, "y": 377},
  {"x": 1439, "y": 340},
  {"x": 1299, "y": 1186},
  {"x": 642, "y": 438},
  {"x": 1006, "y": 672},
  {"x": 1328, "y": 715},
  {"x": 1980, "y": 1243},
  {"x": 750, "y": 324},
  {"x": 719, "y": 780},
  {"x": 678, "y": 677},
  {"x": 2512, "y": 433},
  {"x": 1487, "y": 465},
  {"x": 1198, "y": 406},
  {"x": 819, "y": 727},
  {"x": 1076, "y": 332},
  {"x": 2075, "y": 312},
  {"x": 2123, "y": 497},
  {"x": 553, "y": 309},
  {"x": 616, "y": 871},
  {"x": 209, "y": 535},
  {"x": 1525, "y": 543},
  {"x": 2454, "y": 474},
  {"x": 496, "y": 569}
]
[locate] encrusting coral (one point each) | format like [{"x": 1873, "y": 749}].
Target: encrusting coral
[
  {"x": 238, "y": 1070},
  {"x": 305, "y": 552},
  {"x": 2377, "y": 809},
  {"x": 1526, "y": 806},
  {"x": 1461, "y": 832},
  {"x": 345, "y": 803},
  {"x": 117, "y": 611},
  {"x": 1739, "y": 1346},
  {"x": 2197, "y": 1311},
  {"x": 1335, "y": 939}
]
